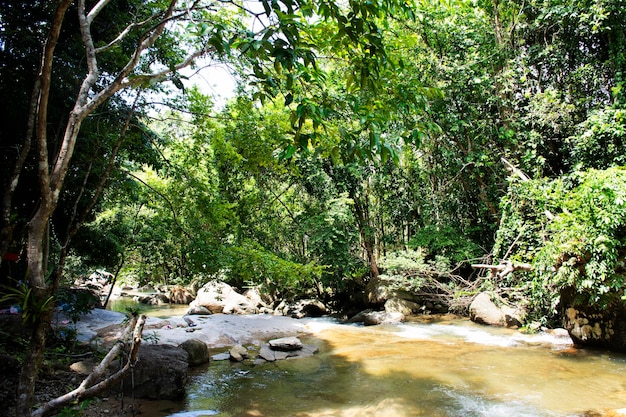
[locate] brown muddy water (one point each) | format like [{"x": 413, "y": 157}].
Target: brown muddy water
[{"x": 444, "y": 368}]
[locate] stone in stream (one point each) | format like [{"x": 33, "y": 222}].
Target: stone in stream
[
  {"x": 286, "y": 344},
  {"x": 238, "y": 353},
  {"x": 197, "y": 350},
  {"x": 484, "y": 311},
  {"x": 286, "y": 347},
  {"x": 160, "y": 373}
]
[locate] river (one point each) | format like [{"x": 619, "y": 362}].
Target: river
[{"x": 444, "y": 368}]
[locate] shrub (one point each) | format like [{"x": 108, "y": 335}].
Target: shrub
[{"x": 579, "y": 244}]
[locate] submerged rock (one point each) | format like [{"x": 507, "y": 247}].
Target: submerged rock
[{"x": 285, "y": 348}]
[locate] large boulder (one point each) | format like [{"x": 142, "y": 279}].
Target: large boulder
[
  {"x": 160, "y": 373},
  {"x": 219, "y": 297},
  {"x": 590, "y": 325},
  {"x": 373, "y": 318},
  {"x": 484, "y": 310},
  {"x": 179, "y": 295},
  {"x": 402, "y": 306},
  {"x": 379, "y": 290},
  {"x": 256, "y": 299}
]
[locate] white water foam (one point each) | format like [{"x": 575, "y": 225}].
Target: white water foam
[
  {"x": 454, "y": 333},
  {"x": 474, "y": 406},
  {"x": 445, "y": 333}
]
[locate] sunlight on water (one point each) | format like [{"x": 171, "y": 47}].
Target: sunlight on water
[{"x": 446, "y": 369}]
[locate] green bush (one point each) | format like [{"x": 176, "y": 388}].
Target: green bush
[
  {"x": 573, "y": 231},
  {"x": 411, "y": 270},
  {"x": 446, "y": 241},
  {"x": 252, "y": 265}
]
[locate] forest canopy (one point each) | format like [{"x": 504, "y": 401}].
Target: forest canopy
[{"x": 351, "y": 136}]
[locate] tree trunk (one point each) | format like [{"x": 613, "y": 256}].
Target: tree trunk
[
  {"x": 366, "y": 232},
  {"x": 32, "y": 362},
  {"x": 52, "y": 166}
]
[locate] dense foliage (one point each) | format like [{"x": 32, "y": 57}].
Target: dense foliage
[
  {"x": 454, "y": 130},
  {"x": 572, "y": 229}
]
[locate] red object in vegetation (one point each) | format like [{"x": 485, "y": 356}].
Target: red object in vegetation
[{"x": 10, "y": 257}]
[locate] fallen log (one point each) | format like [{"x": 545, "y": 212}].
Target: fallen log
[
  {"x": 90, "y": 388},
  {"x": 505, "y": 268}
]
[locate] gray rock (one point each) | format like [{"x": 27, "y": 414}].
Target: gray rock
[
  {"x": 591, "y": 325},
  {"x": 483, "y": 310},
  {"x": 382, "y": 317},
  {"x": 372, "y": 318},
  {"x": 271, "y": 355},
  {"x": 238, "y": 353},
  {"x": 221, "y": 356},
  {"x": 399, "y": 305},
  {"x": 160, "y": 373},
  {"x": 197, "y": 350},
  {"x": 286, "y": 344},
  {"x": 268, "y": 354}
]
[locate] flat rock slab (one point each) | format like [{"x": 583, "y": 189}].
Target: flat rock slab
[
  {"x": 268, "y": 354},
  {"x": 286, "y": 344},
  {"x": 216, "y": 330}
]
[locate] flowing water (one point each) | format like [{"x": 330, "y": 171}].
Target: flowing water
[{"x": 446, "y": 368}]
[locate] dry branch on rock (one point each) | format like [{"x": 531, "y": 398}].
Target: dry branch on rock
[{"x": 90, "y": 388}]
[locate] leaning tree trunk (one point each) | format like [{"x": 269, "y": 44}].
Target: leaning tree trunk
[{"x": 53, "y": 165}]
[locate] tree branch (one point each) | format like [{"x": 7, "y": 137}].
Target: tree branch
[{"x": 87, "y": 389}]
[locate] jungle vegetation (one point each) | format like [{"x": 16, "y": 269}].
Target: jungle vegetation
[{"x": 364, "y": 138}]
